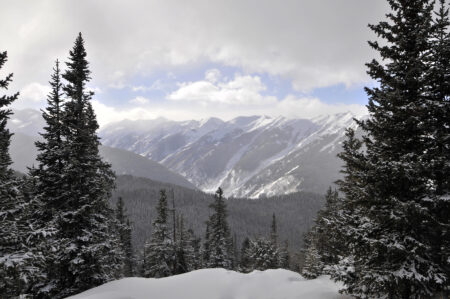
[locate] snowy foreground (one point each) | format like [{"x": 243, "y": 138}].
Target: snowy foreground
[{"x": 218, "y": 284}]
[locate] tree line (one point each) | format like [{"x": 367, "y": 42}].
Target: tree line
[{"x": 385, "y": 232}]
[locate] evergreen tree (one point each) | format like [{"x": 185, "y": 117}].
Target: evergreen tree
[
  {"x": 313, "y": 266},
  {"x": 273, "y": 231},
  {"x": 263, "y": 255},
  {"x": 392, "y": 231},
  {"x": 46, "y": 192},
  {"x": 124, "y": 231},
  {"x": 283, "y": 256},
  {"x": 245, "y": 261},
  {"x": 88, "y": 254},
  {"x": 437, "y": 137},
  {"x": 184, "y": 251},
  {"x": 158, "y": 254},
  {"x": 219, "y": 240},
  {"x": 195, "y": 244},
  {"x": 14, "y": 256}
]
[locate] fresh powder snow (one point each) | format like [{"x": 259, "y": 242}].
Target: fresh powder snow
[{"x": 219, "y": 284}]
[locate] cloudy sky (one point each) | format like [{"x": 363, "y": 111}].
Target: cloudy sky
[{"x": 195, "y": 59}]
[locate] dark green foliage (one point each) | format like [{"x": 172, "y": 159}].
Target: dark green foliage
[
  {"x": 218, "y": 238},
  {"x": 245, "y": 262},
  {"x": 124, "y": 231},
  {"x": 14, "y": 258},
  {"x": 74, "y": 185},
  {"x": 396, "y": 191},
  {"x": 158, "y": 253},
  {"x": 263, "y": 255},
  {"x": 246, "y": 217},
  {"x": 273, "y": 230}
]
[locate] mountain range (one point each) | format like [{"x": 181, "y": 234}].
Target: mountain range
[
  {"x": 25, "y": 124},
  {"x": 252, "y": 156}
]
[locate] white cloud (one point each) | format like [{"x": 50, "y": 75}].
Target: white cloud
[
  {"x": 156, "y": 85},
  {"x": 140, "y": 100},
  {"x": 34, "y": 93},
  {"x": 242, "y": 90},
  {"x": 312, "y": 43},
  {"x": 213, "y": 75}
]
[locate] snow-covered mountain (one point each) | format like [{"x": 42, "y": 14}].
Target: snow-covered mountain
[
  {"x": 25, "y": 124},
  {"x": 247, "y": 156}
]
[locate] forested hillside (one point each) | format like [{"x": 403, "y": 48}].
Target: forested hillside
[{"x": 295, "y": 212}]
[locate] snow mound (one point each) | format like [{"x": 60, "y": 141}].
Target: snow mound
[{"x": 219, "y": 284}]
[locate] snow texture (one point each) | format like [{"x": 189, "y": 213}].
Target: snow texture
[{"x": 219, "y": 284}]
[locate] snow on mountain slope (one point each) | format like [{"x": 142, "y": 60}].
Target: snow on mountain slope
[
  {"x": 24, "y": 152},
  {"x": 219, "y": 284},
  {"x": 247, "y": 156}
]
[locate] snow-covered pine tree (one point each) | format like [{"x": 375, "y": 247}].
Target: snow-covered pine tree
[
  {"x": 350, "y": 220},
  {"x": 124, "y": 231},
  {"x": 183, "y": 248},
  {"x": 46, "y": 191},
  {"x": 159, "y": 251},
  {"x": 283, "y": 256},
  {"x": 14, "y": 256},
  {"x": 219, "y": 241},
  {"x": 206, "y": 247},
  {"x": 88, "y": 254},
  {"x": 392, "y": 255},
  {"x": 245, "y": 262},
  {"x": 11, "y": 204},
  {"x": 263, "y": 254},
  {"x": 327, "y": 231},
  {"x": 195, "y": 244},
  {"x": 313, "y": 266},
  {"x": 437, "y": 154}
]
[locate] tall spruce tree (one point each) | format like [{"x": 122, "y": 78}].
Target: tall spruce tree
[
  {"x": 14, "y": 254},
  {"x": 245, "y": 262},
  {"x": 273, "y": 231},
  {"x": 219, "y": 238},
  {"x": 46, "y": 191},
  {"x": 88, "y": 254},
  {"x": 124, "y": 231},
  {"x": 437, "y": 154},
  {"x": 158, "y": 253},
  {"x": 393, "y": 256}
]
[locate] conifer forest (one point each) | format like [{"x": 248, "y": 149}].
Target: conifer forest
[{"x": 243, "y": 194}]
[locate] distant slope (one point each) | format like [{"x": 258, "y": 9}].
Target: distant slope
[
  {"x": 219, "y": 284},
  {"x": 247, "y": 156},
  {"x": 295, "y": 212},
  {"x": 23, "y": 153}
]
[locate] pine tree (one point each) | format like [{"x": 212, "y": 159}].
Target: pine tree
[
  {"x": 437, "y": 154},
  {"x": 195, "y": 243},
  {"x": 45, "y": 198},
  {"x": 273, "y": 231},
  {"x": 158, "y": 252},
  {"x": 219, "y": 239},
  {"x": 124, "y": 231},
  {"x": 263, "y": 254},
  {"x": 391, "y": 236},
  {"x": 88, "y": 254},
  {"x": 245, "y": 262},
  {"x": 14, "y": 255},
  {"x": 283, "y": 256},
  {"x": 313, "y": 266}
]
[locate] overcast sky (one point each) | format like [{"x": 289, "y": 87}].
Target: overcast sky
[{"x": 195, "y": 59}]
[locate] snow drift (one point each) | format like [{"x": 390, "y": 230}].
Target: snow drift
[{"x": 219, "y": 284}]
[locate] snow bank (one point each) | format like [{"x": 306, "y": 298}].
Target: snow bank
[{"x": 218, "y": 284}]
